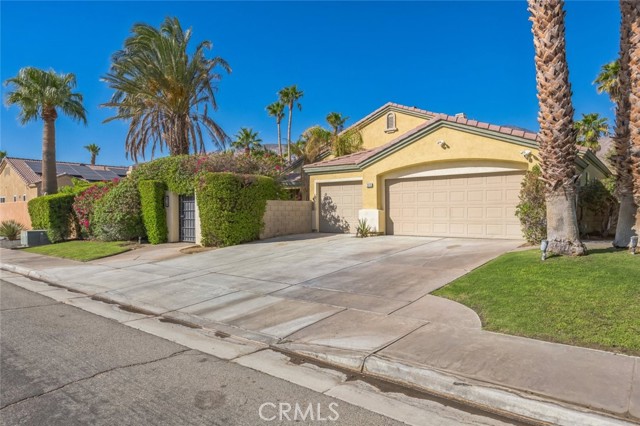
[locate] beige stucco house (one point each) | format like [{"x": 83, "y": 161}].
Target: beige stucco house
[
  {"x": 425, "y": 173},
  {"x": 21, "y": 180}
]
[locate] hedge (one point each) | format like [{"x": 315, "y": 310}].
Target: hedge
[
  {"x": 153, "y": 214},
  {"x": 117, "y": 215},
  {"x": 232, "y": 206},
  {"x": 53, "y": 213},
  {"x": 178, "y": 171}
]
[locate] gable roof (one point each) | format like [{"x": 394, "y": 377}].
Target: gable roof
[
  {"x": 391, "y": 107},
  {"x": 437, "y": 120},
  {"x": 30, "y": 170}
]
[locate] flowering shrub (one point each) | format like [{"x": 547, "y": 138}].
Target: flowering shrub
[
  {"x": 178, "y": 172},
  {"x": 118, "y": 214},
  {"x": 85, "y": 204}
]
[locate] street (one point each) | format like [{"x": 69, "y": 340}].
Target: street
[{"x": 61, "y": 365}]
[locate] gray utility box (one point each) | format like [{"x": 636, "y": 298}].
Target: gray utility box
[{"x": 33, "y": 238}]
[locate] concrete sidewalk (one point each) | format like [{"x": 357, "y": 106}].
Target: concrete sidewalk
[{"x": 362, "y": 305}]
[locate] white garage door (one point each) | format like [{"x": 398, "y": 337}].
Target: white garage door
[
  {"x": 339, "y": 205},
  {"x": 475, "y": 206}
]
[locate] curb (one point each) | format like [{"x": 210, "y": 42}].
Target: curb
[{"x": 490, "y": 398}]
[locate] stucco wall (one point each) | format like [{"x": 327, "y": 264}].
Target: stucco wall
[
  {"x": 463, "y": 150},
  {"x": 286, "y": 218},
  {"x": 16, "y": 211},
  {"x": 373, "y": 134}
]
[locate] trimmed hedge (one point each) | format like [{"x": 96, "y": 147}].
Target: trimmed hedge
[
  {"x": 178, "y": 171},
  {"x": 53, "y": 213},
  {"x": 232, "y": 206},
  {"x": 117, "y": 215},
  {"x": 153, "y": 214}
]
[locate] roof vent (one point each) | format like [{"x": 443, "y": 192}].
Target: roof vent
[{"x": 461, "y": 115}]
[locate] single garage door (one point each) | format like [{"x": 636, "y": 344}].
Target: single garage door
[
  {"x": 475, "y": 206},
  {"x": 339, "y": 205}
]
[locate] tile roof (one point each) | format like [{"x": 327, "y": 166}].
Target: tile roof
[
  {"x": 30, "y": 170},
  {"x": 359, "y": 157}
]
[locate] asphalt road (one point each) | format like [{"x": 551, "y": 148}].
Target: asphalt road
[{"x": 61, "y": 365}]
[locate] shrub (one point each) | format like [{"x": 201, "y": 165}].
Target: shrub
[
  {"x": 53, "y": 213},
  {"x": 11, "y": 229},
  {"x": 532, "y": 209},
  {"x": 153, "y": 214},
  {"x": 232, "y": 206},
  {"x": 178, "y": 172},
  {"x": 596, "y": 197},
  {"x": 363, "y": 230},
  {"x": 85, "y": 203},
  {"x": 117, "y": 215}
]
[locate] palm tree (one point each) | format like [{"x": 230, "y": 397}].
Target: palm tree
[
  {"x": 343, "y": 143},
  {"x": 290, "y": 96},
  {"x": 618, "y": 88},
  {"x": 94, "y": 150},
  {"x": 311, "y": 145},
  {"x": 164, "y": 92},
  {"x": 632, "y": 10},
  {"x": 2, "y": 155},
  {"x": 276, "y": 110},
  {"x": 557, "y": 134},
  {"x": 42, "y": 94},
  {"x": 607, "y": 80},
  {"x": 590, "y": 129},
  {"x": 246, "y": 140}
]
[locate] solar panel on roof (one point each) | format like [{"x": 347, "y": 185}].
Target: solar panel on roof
[{"x": 36, "y": 166}]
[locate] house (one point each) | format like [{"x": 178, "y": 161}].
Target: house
[
  {"x": 21, "y": 179},
  {"x": 426, "y": 173}
]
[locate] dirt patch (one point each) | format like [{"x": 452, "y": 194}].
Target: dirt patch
[{"x": 195, "y": 249}]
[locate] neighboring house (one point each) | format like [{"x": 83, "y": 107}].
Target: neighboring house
[
  {"x": 425, "y": 173},
  {"x": 21, "y": 178}
]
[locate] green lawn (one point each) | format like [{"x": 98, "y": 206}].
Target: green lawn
[
  {"x": 591, "y": 301},
  {"x": 82, "y": 250}
]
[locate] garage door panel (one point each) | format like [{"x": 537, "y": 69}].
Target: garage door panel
[
  {"x": 475, "y": 206},
  {"x": 339, "y": 206}
]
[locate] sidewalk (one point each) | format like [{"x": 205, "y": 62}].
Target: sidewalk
[{"x": 429, "y": 343}]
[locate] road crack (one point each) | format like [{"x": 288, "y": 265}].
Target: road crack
[{"x": 100, "y": 373}]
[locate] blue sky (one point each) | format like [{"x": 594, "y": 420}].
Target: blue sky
[{"x": 350, "y": 57}]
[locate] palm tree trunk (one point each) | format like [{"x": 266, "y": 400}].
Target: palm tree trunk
[
  {"x": 93, "y": 159},
  {"x": 289, "y": 133},
  {"x": 49, "y": 173},
  {"x": 279, "y": 140},
  {"x": 634, "y": 100},
  {"x": 557, "y": 135},
  {"x": 621, "y": 139}
]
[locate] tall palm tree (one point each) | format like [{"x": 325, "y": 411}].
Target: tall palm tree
[
  {"x": 619, "y": 93},
  {"x": 164, "y": 92},
  {"x": 343, "y": 143},
  {"x": 607, "y": 80},
  {"x": 590, "y": 129},
  {"x": 557, "y": 135},
  {"x": 94, "y": 150},
  {"x": 311, "y": 145},
  {"x": 290, "y": 96},
  {"x": 42, "y": 94},
  {"x": 276, "y": 110},
  {"x": 632, "y": 10},
  {"x": 247, "y": 140}
]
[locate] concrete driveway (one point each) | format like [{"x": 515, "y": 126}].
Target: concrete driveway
[{"x": 279, "y": 286}]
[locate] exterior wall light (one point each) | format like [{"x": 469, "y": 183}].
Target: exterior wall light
[
  {"x": 633, "y": 244},
  {"x": 442, "y": 144},
  {"x": 369, "y": 185},
  {"x": 526, "y": 154},
  {"x": 166, "y": 200},
  {"x": 544, "y": 245}
]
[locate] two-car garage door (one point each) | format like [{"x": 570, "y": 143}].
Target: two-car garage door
[{"x": 475, "y": 206}]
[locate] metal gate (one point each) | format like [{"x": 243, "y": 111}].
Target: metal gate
[{"x": 188, "y": 218}]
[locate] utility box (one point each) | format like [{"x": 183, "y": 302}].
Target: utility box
[{"x": 34, "y": 238}]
